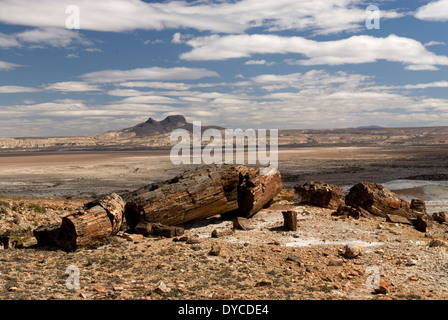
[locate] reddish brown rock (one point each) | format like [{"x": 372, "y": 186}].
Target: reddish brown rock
[
  {"x": 255, "y": 190},
  {"x": 320, "y": 194},
  {"x": 377, "y": 199},
  {"x": 418, "y": 205}
]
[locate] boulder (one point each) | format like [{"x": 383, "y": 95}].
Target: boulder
[
  {"x": 378, "y": 200},
  {"x": 418, "y": 205},
  {"x": 320, "y": 194}
]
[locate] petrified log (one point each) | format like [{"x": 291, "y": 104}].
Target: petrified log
[
  {"x": 196, "y": 194},
  {"x": 320, "y": 194},
  {"x": 255, "y": 189},
  {"x": 290, "y": 220},
  {"x": 99, "y": 220},
  {"x": 378, "y": 200}
]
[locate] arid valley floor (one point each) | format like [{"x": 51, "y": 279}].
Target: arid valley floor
[{"x": 266, "y": 262}]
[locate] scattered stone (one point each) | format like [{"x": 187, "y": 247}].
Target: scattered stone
[
  {"x": 132, "y": 237},
  {"x": 335, "y": 263},
  {"x": 193, "y": 241},
  {"x": 143, "y": 228},
  {"x": 410, "y": 263},
  {"x": 377, "y": 199},
  {"x": 420, "y": 224},
  {"x": 437, "y": 243},
  {"x": 440, "y": 217},
  {"x": 418, "y": 205},
  {"x": 166, "y": 231},
  {"x": 218, "y": 233},
  {"x": 241, "y": 223},
  {"x": 320, "y": 194},
  {"x": 295, "y": 259},
  {"x": 264, "y": 283},
  {"x": 352, "y": 251},
  {"x": 383, "y": 287},
  {"x": 161, "y": 288},
  {"x": 215, "y": 250},
  {"x": 347, "y": 211},
  {"x": 117, "y": 288},
  {"x": 99, "y": 289},
  {"x": 290, "y": 220},
  {"x": 393, "y": 218}
]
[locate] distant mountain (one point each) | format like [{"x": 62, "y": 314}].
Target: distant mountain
[
  {"x": 153, "y": 127},
  {"x": 370, "y": 127}
]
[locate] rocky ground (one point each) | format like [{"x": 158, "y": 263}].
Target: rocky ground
[{"x": 266, "y": 262}]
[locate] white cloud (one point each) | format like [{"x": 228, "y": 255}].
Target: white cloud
[
  {"x": 72, "y": 86},
  {"x": 8, "y": 41},
  {"x": 320, "y": 16},
  {"x": 356, "y": 49},
  {"x": 17, "y": 89},
  {"x": 155, "y": 73},
  {"x": 56, "y": 37},
  {"x": 259, "y": 62},
  {"x": 434, "y": 43},
  {"x": 73, "y": 56},
  {"x": 5, "y": 66},
  {"x": 433, "y": 11}
]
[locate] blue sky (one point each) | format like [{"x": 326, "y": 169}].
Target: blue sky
[{"x": 280, "y": 64}]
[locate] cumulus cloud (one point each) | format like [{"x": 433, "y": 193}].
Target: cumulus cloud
[
  {"x": 355, "y": 50},
  {"x": 433, "y": 11},
  {"x": 155, "y": 73},
  {"x": 320, "y": 16}
]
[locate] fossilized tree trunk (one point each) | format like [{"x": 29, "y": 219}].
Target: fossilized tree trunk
[{"x": 195, "y": 194}]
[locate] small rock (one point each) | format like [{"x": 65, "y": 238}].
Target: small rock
[
  {"x": 240, "y": 223},
  {"x": 410, "y": 263},
  {"x": 264, "y": 283},
  {"x": 99, "y": 289},
  {"x": 393, "y": 218},
  {"x": 13, "y": 289},
  {"x": 383, "y": 287},
  {"x": 193, "y": 241},
  {"x": 218, "y": 233},
  {"x": 132, "y": 237},
  {"x": 440, "y": 217},
  {"x": 437, "y": 243},
  {"x": 118, "y": 288},
  {"x": 166, "y": 231},
  {"x": 352, "y": 251},
  {"x": 215, "y": 250},
  {"x": 295, "y": 259},
  {"x": 336, "y": 263},
  {"x": 161, "y": 288},
  {"x": 420, "y": 224}
]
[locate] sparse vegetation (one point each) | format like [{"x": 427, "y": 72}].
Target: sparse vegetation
[{"x": 36, "y": 207}]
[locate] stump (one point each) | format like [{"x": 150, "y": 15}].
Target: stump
[{"x": 290, "y": 220}]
